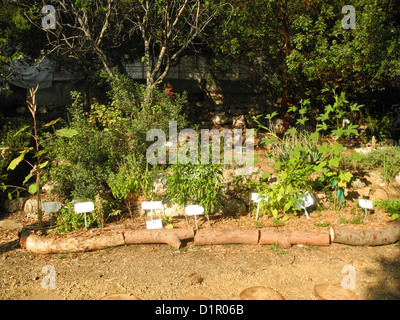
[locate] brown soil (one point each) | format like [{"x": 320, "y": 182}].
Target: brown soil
[{"x": 213, "y": 272}]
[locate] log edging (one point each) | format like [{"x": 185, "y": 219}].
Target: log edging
[{"x": 174, "y": 237}]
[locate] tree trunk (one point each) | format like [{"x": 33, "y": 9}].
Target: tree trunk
[
  {"x": 103, "y": 239},
  {"x": 225, "y": 236},
  {"x": 286, "y": 239},
  {"x": 357, "y": 237},
  {"x": 172, "y": 237},
  {"x": 51, "y": 244}
]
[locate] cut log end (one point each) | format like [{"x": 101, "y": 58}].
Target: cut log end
[
  {"x": 260, "y": 293},
  {"x": 332, "y": 292}
]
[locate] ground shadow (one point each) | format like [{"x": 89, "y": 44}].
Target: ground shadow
[{"x": 388, "y": 285}]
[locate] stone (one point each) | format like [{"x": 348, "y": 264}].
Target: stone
[
  {"x": 15, "y": 204},
  {"x": 160, "y": 185},
  {"x": 239, "y": 122},
  {"x": 385, "y": 194},
  {"x": 30, "y": 209},
  {"x": 221, "y": 119},
  {"x": 173, "y": 210},
  {"x": 364, "y": 192},
  {"x": 374, "y": 178},
  {"x": 358, "y": 184},
  {"x": 397, "y": 178},
  {"x": 228, "y": 176},
  {"x": 231, "y": 207}
]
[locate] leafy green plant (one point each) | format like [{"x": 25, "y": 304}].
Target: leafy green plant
[
  {"x": 195, "y": 184},
  {"x": 391, "y": 206},
  {"x": 67, "y": 219},
  {"x": 38, "y": 151},
  {"x": 334, "y": 115},
  {"x": 387, "y": 159}
]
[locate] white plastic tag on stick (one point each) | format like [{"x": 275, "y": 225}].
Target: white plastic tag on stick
[
  {"x": 365, "y": 204},
  {"x": 305, "y": 201},
  {"x": 84, "y": 207},
  {"x": 257, "y": 199},
  {"x": 51, "y": 207},
  {"x": 154, "y": 224},
  {"x": 194, "y": 210},
  {"x": 151, "y": 205}
]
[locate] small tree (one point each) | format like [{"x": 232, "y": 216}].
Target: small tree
[{"x": 37, "y": 150}]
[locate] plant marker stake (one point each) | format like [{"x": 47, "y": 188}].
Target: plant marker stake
[
  {"x": 255, "y": 197},
  {"x": 51, "y": 207},
  {"x": 152, "y": 205},
  {"x": 305, "y": 201},
  {"x": 84, "y": 207},
  {"x": 366, "y": 204},
  {"x": 194, "y": 210}
]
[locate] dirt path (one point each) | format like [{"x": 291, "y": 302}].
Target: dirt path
[{"x": 215, "y": 272}]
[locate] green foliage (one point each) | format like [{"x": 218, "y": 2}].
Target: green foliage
[
  {"x": 387, "y": 159},
  {"x": 304, "y": 160},
  {"x": 133, "y": 178},
  {"x": 391, "y": 206},
  {"x": 67, "y": 220},
  {"x": 195, "y": 184}
]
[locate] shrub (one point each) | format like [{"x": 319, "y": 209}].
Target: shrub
[{"x": 387, "y": 159}]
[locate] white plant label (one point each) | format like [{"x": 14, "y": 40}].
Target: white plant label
[
  {"x": 151, "y": 205},
  {"x": 305, "y": 201},
  {"x": 154, "y": 224},
  {"x": 256, "y": 198},
  {"x": 51, "y": 206},
  {"x": 84, "y": 207},
  {"x": 365, "y": 204},
  {"x": 194, "y": 210}
]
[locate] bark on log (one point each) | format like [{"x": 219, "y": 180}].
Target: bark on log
[
  {"x": 225, "y": 236},
  {"x": 357, "y": 237},
  {"x": 285, "y": 239},
  {"x": 51, "y": 244},
  {"x": 172, "y": 237},
  {"x": 97, "y": 241}
]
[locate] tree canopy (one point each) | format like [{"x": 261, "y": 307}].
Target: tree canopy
[{"x": 291, "y": 48}]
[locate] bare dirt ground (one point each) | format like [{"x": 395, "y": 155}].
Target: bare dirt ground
[{"x": 215, "y": 272}]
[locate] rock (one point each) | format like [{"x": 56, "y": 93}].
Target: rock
[
  {"x": 374, "y": 178},
  {"x": 239, "y": 122},
  {"x": 364, "y": 192},
  {"x": 231, "y": 206},
  {"x": 48, "y": 187},
  {"x": 30, "y": 209},
  {"x": 228, "y": 176},
  {"x": 385, "y": 194},
  {"x": 221, "y": 119},
  {"x": 173, "y": 210},
  {"x": 15, "y": 204},
  {"x": 358, "y": 184},
  {"x": 160, "y": 184},
  {"x": 397, "y": 178},
  {"x": 250, "y": 122},
  {"x": 388, "y": 143},
  {"x": 43, "y": 110}
]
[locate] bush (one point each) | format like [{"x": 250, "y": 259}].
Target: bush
[
  {"x": 387, "y": 159},
  {"x": 12, "y": 141}
]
